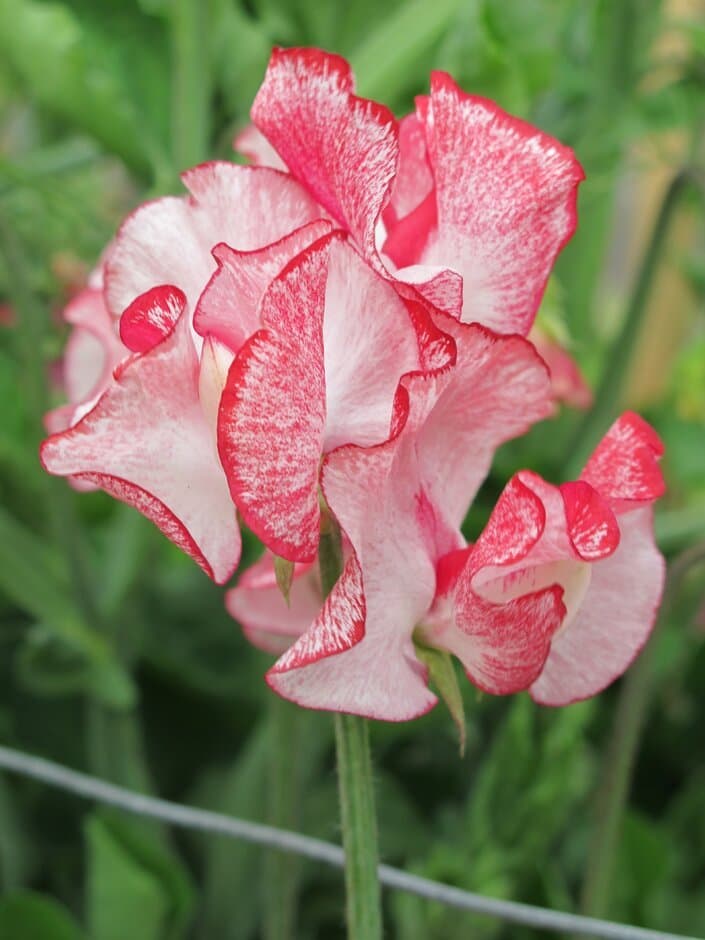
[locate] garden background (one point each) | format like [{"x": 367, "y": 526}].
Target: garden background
[{"x": 116, "y": 654}]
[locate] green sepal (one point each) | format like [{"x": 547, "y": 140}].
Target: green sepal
[
  {"x": 442, "y": 674},
  {"x": 284, "y": 573}
]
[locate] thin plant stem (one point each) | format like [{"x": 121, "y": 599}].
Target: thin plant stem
[
  {"x": 622, "y": 751},
  {"x": 609, "y": 392},
  {"x": 191, "y": 83},
  {"x": 282, "y": 872},
  {"x": 355, "y": 785}
]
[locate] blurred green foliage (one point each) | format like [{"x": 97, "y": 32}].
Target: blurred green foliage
[{"x": 116, "y": 653}]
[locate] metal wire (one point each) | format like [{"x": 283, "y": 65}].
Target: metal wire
[{"x": 205, "y": 821}]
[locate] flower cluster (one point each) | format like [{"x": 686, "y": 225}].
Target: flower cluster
[{"x": 339, "y": 331}]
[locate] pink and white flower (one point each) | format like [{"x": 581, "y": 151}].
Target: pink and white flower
[{"x": 558, "y": 595}]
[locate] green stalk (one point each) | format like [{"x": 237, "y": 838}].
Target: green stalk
[
  {"x": 611, "y": 799},
  {"x": 282, "y": 869},
  {"x": 355, "y": 787},
  {"x": 191, "y": 86},
  {"x": 609, "y": 393}
]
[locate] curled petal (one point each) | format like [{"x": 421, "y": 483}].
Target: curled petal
[
  {"x": 503, "y": 647},
  {"x": 229, "y": 307},
  {"x": 151, "y": 317},
  {"x": 624, "y": 466},
  {"x": 272, "y": 413},
  {"x": 147, "y": 443},
  {"x": 506, "y": 203},
  {"x": 342, "y": 148},
  {"x": 169, "y": 240}
]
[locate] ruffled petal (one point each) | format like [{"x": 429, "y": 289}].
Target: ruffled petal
[
  {"x": 506, "y": 202},
  {"x": 169, "y": 241},
  {"x": 369, "y": 343},
  {"x": 413, "y": 182},
  {"x": 272, "y": 413},
  {"x": 498, "y": 388},
  {"x": 342, "y": 148},
  {"x": 265, "y": 617},
  {"x": 358, "y": 657},
  {"x": 229, "y": 307},
  {"x": 503, "y": 647},
  {"x": 624, "y": 466},
  {"x": 147, "y": 443}
]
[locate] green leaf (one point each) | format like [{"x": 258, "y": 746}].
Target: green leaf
[
  {"x": 29, "y": 916},
  {"x": 442, "y": 673},
  {"x": 134, "y": 889}
]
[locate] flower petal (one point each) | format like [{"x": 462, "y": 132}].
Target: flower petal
[
  {"x": 502, "y": 647},
  {"x": 506, "y": 196},
  {"x": 498, "y": 388},
  {"x": 624, "y": 466},
  {"x": 147, "y": 443},
  {"x": 369, "y": 341},
  {"x": 342, "y": 148},
  {"x": 229, "y": 307},
  {"x": 371, "y": 670},
  {"x": 265, "y": 617},
  {"x": 613, "y": 622},
  {"x": 169, "y": 241},
  {"x": 151, "y": 317},
  {"x": 272, "y": 412}
]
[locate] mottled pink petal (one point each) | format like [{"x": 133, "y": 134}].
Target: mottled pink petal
[
  {"x": 169, "y": 241},
  {"x": 413, "y": 182},
  {"x": 502, "y": 647},
  {"x": 624, "y": 466},
  {"x": 389, "y": 583},
  {"x": 151, "y": 317},
  {"x": 613, "y": 622},
  {"x": 369, "y": 342},
  {"x": 229, "y": 307},
  {"x": 147, "y": 443},
  {"x": 342, "y": 148},
  {"x": 506, "y": 196},
  {"x": 272, "y": 413},
  {"x": 259, "y": 606},
  {"x": 497, "y": 390}
]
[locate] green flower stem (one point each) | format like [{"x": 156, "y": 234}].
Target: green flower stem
[
  {"x": 282, "y": 870},
  {"x": 355, "y": 787},
  {"x": 621, "y": 754},
  {"x": 191, "y": 86},
  {"x": 609, "y": 392}
]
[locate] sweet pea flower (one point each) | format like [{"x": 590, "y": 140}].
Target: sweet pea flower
[
  {"x": 557, "y": 596},
  {"x": 147, "y": 439},
  {"x": 461, "y": 201},
  {"x": 400, "y": 504}
]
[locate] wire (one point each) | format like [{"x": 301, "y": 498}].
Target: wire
[{"x": 206, "y": 821}]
